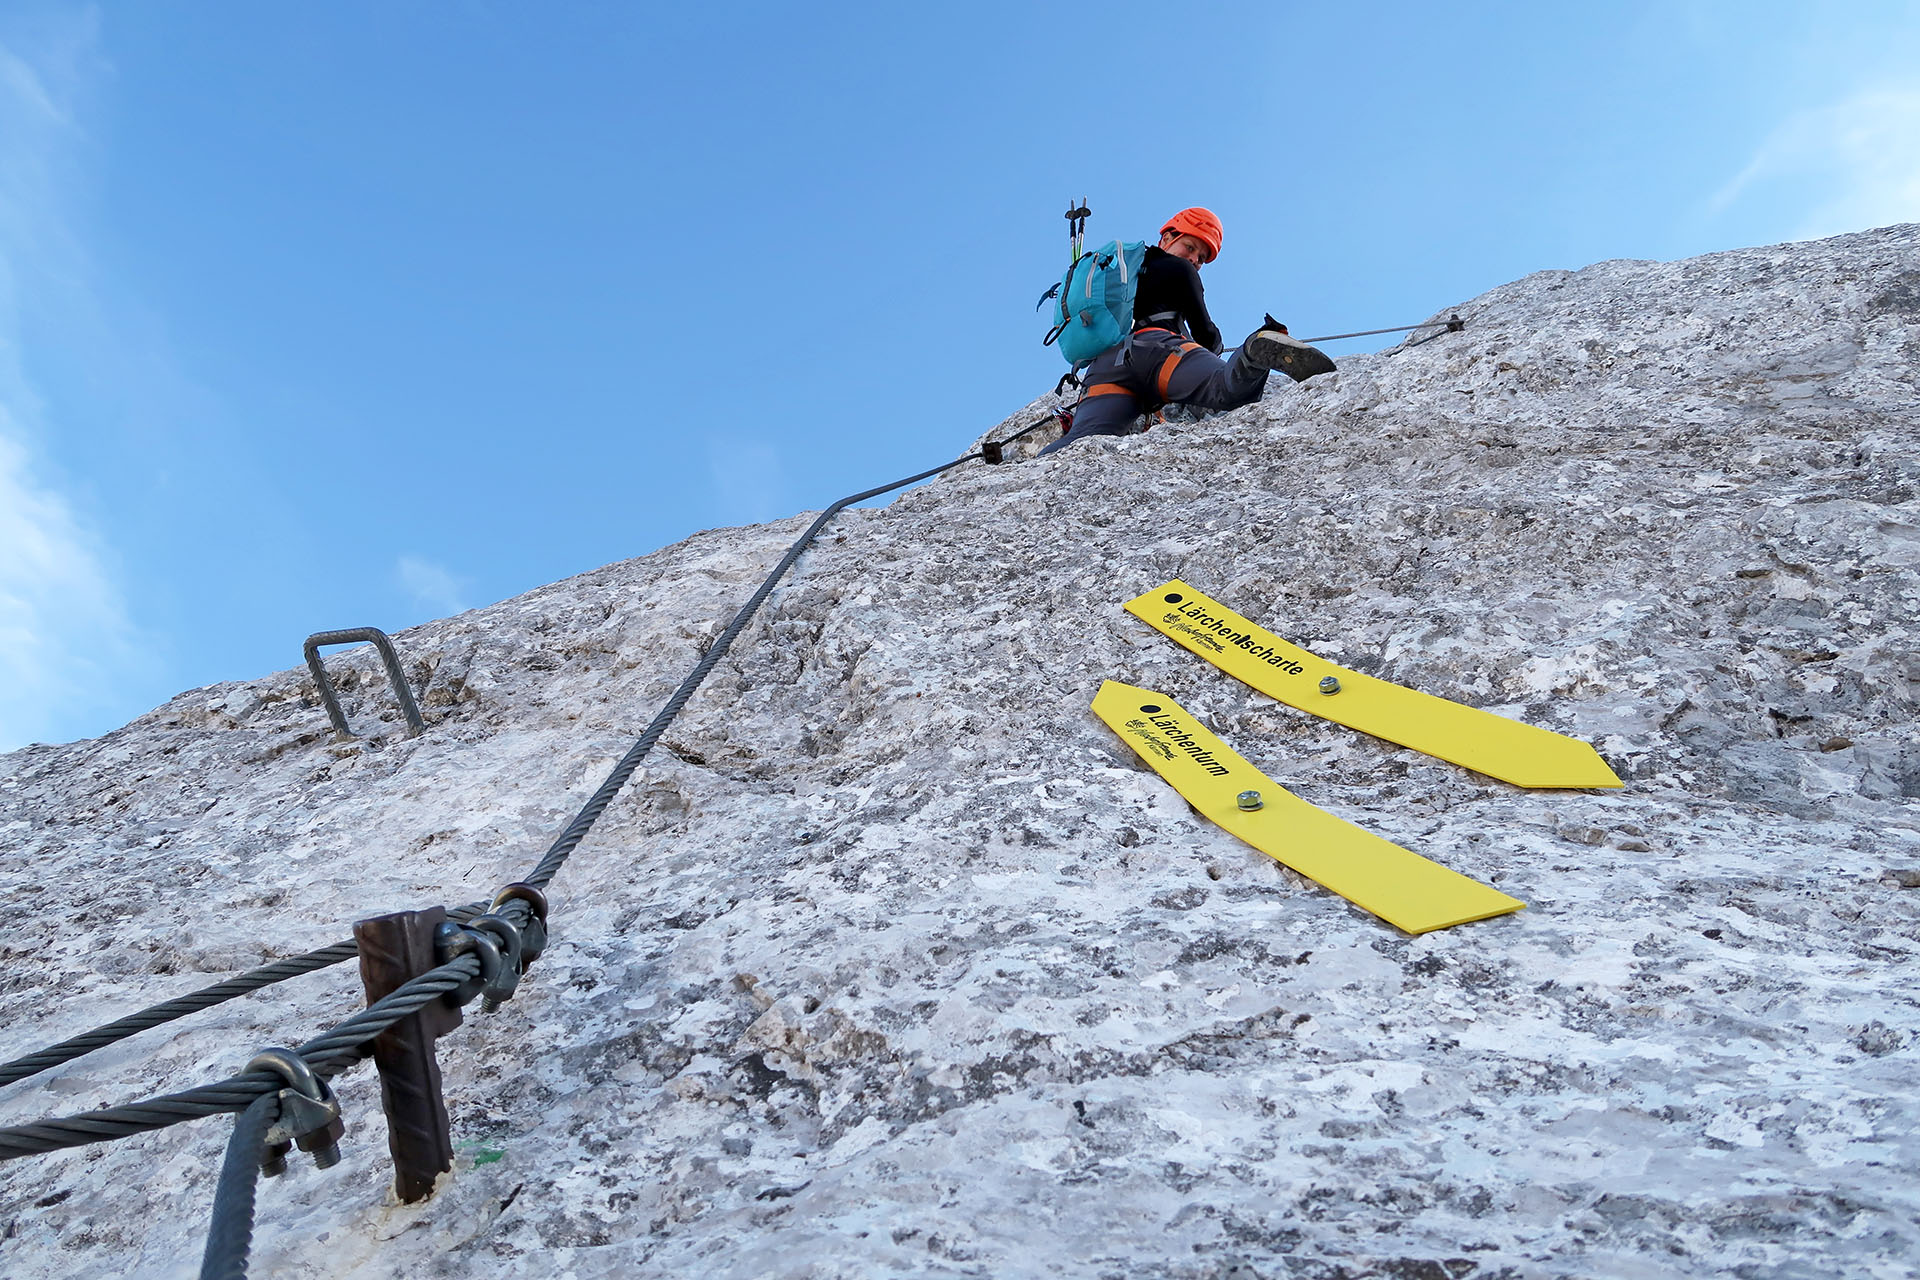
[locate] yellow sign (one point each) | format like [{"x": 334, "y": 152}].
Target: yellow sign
[
  {"x": 1467, "y": 736},
  {"x": 1400, "y": 887}
]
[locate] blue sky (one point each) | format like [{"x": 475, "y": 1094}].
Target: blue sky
[{"x": 363, "y": 313}]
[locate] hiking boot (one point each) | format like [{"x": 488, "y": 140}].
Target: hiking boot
[{"x": 1269, "y": 347}]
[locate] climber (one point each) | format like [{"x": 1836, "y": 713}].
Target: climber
[{"x": 1173, "y": 355}]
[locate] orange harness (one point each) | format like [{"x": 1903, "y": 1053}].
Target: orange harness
[{"x": 1162, "y": 380}]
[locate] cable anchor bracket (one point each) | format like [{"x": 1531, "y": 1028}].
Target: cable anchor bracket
[{"x": 379, "y": 639}]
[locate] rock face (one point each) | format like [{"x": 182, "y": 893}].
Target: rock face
[{"x": 894, "y": 961}]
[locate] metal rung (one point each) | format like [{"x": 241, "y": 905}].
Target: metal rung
[{"x": 353, "y": 635}]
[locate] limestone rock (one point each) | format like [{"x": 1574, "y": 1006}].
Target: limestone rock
[{"x": 894, "y": 961}]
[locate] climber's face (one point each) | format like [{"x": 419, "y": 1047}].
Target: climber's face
[{"x": 1192, "y": 248}]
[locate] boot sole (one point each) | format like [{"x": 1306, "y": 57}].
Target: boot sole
[{"x": 1295, "y": 359}]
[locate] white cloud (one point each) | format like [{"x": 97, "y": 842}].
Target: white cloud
[
  {"x": 66, "y": 645},
  {"x": 64, "y": 635},
  {"x": 749, "y": 480},
  {"x": 1847, "y": 166},
  {"x": 432, "y": 586}
]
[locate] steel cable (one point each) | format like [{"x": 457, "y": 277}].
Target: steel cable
[
  {"x": 339, "y": 1048},
  {"x": 1452, "y": 324},
  {"x": 1049, "y": 420},
  {"x": 328, "y": 1055},
  {"x": 194, "y": 1001},
  {"x": 576, "y": 831},
  {"x": 178, "y": 1007},
  {"x": 281, "y": 970},
  {"x": 230, "y": 1234}
]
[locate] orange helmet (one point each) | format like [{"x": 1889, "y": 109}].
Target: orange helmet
[{"x": 1200, "y": 224}]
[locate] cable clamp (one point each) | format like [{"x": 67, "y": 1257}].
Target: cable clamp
[
  {"x": 533, "y": 935},
  {"x": 500, "y": 987},
  {"x": 502, "y": 949},
  {"x": 451, "y": 941},
  {"x": 309, "y": 1113}
]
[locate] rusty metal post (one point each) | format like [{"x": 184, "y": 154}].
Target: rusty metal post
[{"x": 394, "y": 949}]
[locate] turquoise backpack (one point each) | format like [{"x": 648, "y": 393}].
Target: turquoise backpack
[{"x": 1094, "y": 301}]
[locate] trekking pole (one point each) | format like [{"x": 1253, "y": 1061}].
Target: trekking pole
[
  {"x": 1077, "y": 229},
  {"x": 1076, "y": 236}
]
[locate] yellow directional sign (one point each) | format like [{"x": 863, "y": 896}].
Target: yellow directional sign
[
  {"x": 1506, "y": 749},
  {"x": 1400, "y": 887}
]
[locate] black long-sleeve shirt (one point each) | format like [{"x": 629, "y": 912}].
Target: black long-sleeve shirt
[{"x": 1169, "y": 296}]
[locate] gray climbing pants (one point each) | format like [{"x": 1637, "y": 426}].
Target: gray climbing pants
[{"x": 1156, "y": 367}]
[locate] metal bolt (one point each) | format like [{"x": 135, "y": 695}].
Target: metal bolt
[
  {"x": 1329, "y": 684},
  {"x": 1250, "y": 800}
]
